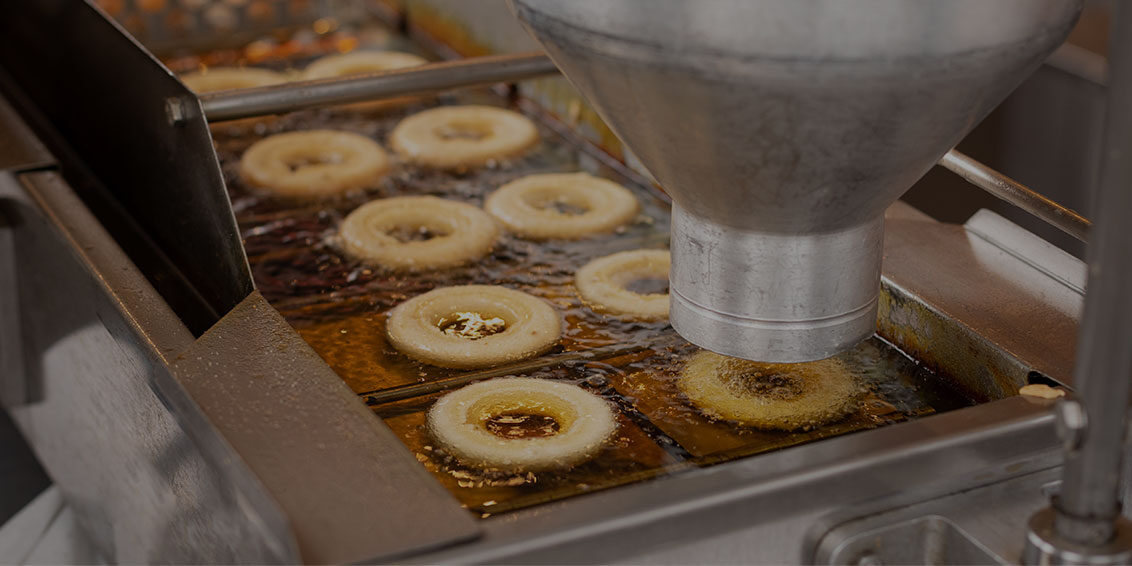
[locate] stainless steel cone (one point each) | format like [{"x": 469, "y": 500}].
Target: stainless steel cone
[{"x": 782, "y": 129}]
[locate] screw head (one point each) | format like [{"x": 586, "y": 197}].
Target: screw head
[{"x": 175, "y": 111}]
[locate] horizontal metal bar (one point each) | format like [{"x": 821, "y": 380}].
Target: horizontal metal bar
[
  {"x": 260, "y": 101},
  {"x": 1015, "y": 193},
  {"x": 400, "y": 393}
]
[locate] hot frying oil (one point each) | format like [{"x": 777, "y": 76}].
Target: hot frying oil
[{"x": 339, "y": 304}]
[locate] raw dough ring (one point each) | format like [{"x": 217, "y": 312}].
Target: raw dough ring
[
  {"x": 801, "y": 396},
  {"x": 601, "y": 283},
  {"x": 526, "y": 206},
  {"x": 361, "y": 62},
  {"x": 342, "y": 161},
  {"x": 531, "y": 326},
  {"x": 432, "y": 138},
  {"x": 585, "y": 424},
  {"x": 462, "y": 232},
  {"x": 229, "y": 78}
]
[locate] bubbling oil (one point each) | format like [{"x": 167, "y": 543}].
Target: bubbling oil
[{"x": 338, "y": 304}]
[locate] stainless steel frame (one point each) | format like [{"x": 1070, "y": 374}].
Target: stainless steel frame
[{"x": 242, "y": 445}]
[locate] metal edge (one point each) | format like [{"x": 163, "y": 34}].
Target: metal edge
[
  {"x": 173, "y": 186},
  {"x": 353, "y": 491},
  {"x": 145, "y": 315},
  {"x": 887, "y": 467}
]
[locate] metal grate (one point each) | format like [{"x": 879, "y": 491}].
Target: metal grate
[{"x": 166, "y": 26}]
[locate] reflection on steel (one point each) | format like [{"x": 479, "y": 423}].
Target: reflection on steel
[
  {"x": 1015, "y": 193},
  {"x": 339, "y": 90}
]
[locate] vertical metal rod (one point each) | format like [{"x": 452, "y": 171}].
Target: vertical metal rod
[{"x": 1088, "y": 504}]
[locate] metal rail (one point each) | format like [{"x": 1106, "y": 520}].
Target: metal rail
[
  {"x": 275, "y": 99},
  {"x": 1015, "y": 193},
  {"x": 244, "y": 103}
]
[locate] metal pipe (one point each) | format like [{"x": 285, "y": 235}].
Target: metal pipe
[
  {"x": 1015, "y": 193},
  {"x": 244, "y": 103},
  {"x": 1088, "y": 505}
]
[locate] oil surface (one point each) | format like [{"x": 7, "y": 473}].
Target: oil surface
[{"x": 339, "y": 306}]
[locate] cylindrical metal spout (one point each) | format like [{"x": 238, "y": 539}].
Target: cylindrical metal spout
[{"x": 783, "y": 129}]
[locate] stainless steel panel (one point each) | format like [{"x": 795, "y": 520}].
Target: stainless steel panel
[
  {"x": 145, "y": 485},
  {"x": 966, "y": 305},
  {"x": 352, "y": 490},
  {"x": 105, "y": 97}
]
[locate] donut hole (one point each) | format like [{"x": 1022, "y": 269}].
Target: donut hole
[
  {"x": 768, "y": 381},
  {"x": 647, "y": 285},
  {"x": 552, "y": 200},
  {"x": 534, "y": 414},
  {"x": 302, "y": 161},
  {"x": 471, "y": 325},
  {"x": 516, "y": 424},
  {"x": 405, "y": 233},
  {"x": 464, "y": 130}
]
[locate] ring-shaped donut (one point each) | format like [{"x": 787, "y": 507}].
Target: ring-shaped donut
[
  {"x": 459, "y": 423},
  {"x": 529, "y": 206},
  {"x": 768, "y": 396},
  {"x": 361, "y": 62},
  {"x": 455, "y": 137},
  {"x": 313, "y": 163},
  {"x": 431, "y": 327},
  {"x": 229, "y": 78},
  {"x": 457, "y": 232},
  {"x": 602, "y": 284}
]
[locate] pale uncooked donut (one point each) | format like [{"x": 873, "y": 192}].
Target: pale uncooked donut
[
  {"x": 458, "y": 423},
  {"x": 601, "y": 283},
  {"x": 791, "y": 396},
  {"x": 531, "y": 326},
  {"x": 360, "y": 62},
  {"x": 342, "y": 161},
  {"x": 436, "y": 137},
  {"x": 229, "y": 78},
  {"x": 526, "y": 206},
  {"x": 461, "y": 232}
]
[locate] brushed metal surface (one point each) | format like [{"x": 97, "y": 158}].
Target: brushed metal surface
[
  {"x": 103, "y": 96},
  {"x": 792, "y": 118},
  {"x": 146, "y": 485},
  {"x": 352, "y": 490}
]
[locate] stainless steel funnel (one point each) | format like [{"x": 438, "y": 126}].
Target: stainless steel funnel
[{"x": 783, "y": 129}]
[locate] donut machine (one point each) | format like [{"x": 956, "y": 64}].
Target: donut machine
[{"x": 207, "y": 376}]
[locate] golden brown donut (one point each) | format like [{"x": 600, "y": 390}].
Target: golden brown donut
[
  {"x": 460, "y": 423},
  {"x": 455, "y": 137},
  {"x": 529, "y": 206},
  {"x": 601, "y": 284},
  {"x": 785, "y": 397},
  {"x": 315, "y": 163},
  {"x": 361, "y": 62},
  {"x": 229, "y": 78},
  {"x": 473, "y": 326},
  {"x": 459, "y": 232}
]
